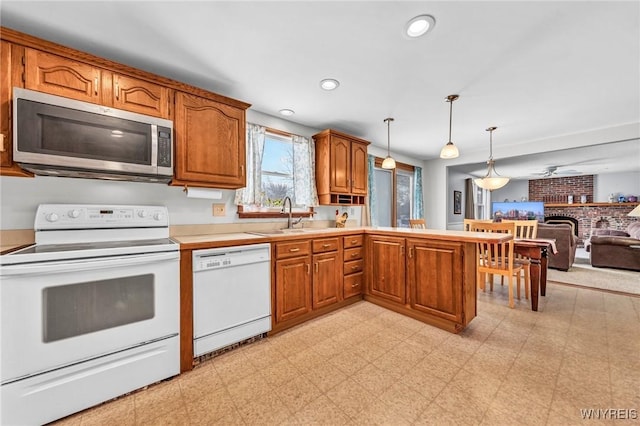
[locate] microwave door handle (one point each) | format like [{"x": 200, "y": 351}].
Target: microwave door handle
[
  {"x": 87, "y": 264},
  {"x": 154, "y": 146}
]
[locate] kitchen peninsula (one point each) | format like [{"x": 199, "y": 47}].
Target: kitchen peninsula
[{"x": 426, "y": 274}]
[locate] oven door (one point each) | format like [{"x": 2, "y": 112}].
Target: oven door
[{"x": 59, "y": 313}]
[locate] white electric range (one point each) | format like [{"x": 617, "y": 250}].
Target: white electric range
[{"x": 90, "y": 312}]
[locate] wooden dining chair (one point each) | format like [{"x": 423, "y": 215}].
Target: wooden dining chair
[
  {"x": 417, "y": 223},
  {"x": 525, "y": 229},
  {"x": 468, "y": 222},
  {"x": 497, "y": 258}
]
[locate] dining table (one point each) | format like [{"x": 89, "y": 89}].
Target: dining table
[{"x": 537, "y": 251}]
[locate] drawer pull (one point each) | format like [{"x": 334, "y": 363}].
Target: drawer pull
[
  {"x": 355, "y": 285},
  {"x": 294, "y": 249},
  {"x": 326, "y": 245},
  {"x": 117, "y": 91},
  {"x": 95, "y": 85},
  {"x": 354, "y": 254},
  {"x": 353, "y": 268},
  {"x": 354, "y": 241}
]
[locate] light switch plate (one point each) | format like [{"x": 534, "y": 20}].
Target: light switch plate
[{"x": 219, "y": 210}]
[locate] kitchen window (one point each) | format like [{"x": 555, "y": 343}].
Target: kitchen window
[
  {"x": 279, "y": 165},
  {"x": 395, "y": 194}
]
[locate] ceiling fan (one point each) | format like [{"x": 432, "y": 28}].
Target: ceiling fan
[{"x": 552, "y": 171}]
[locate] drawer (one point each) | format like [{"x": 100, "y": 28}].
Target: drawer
[
  {"x": 353, "y": 266},
  {"x": 325, "y": 244},
  {"x": 293, "y": 249},
  {"x": 352, "y": 241},
  {"x": 353, "y": 254},
  {"x": 353, "y": 284}
]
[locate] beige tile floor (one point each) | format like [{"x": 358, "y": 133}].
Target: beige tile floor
[{"x": 364, "y": 365}]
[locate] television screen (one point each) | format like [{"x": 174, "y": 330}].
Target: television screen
[{"x": 526, "y": 210}]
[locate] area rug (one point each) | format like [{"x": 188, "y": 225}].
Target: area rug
[{"x": 608, "y": 279}]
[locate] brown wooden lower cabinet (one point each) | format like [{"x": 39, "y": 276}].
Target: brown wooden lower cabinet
[
  {"x": 386, "y": 266},
  {"x": 327, "y": 279},
  {"x": 434, "y": 278},
  {"x": 292, "y": 287},
  {"x": 431, "y": 280}
]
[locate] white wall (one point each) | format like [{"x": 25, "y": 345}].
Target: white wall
[
  {"x": 617, "y": 184},
  {"x": 513, "y": 191}
]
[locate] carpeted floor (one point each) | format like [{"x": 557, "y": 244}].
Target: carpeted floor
[{"x": 583, "y": 274}]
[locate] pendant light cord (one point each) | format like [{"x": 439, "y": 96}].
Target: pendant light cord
[{"x": 450, "y": 117}]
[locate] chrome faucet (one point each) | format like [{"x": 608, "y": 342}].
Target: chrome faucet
[
  {"x": 284, "y": 207},
  {"x": 290, "y": 223}
]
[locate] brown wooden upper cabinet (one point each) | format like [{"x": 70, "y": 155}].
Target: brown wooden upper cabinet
[
  {"x": 341, "y": 168},
  {"x": 60, "y": 76},
  {"x": 210, "y": 143}
]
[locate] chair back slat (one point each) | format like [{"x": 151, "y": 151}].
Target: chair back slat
[{"x": 524, "y": 228}]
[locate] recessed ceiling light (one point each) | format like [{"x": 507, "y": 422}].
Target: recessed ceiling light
[
  {"x": 420, "y": 25},
  {"x": 287, "y": 112},
  {"x": 329, "y": 84}
]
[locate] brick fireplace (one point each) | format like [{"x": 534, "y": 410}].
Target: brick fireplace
[{"x": 555, "y": 192}]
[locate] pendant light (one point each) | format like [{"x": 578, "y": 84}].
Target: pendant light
[
  {"x": 489, "y": 181},
  {"x": 388, "y": 163},
  {"x": 450, "y": 150}
]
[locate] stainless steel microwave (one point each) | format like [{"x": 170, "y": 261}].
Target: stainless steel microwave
[{"x": 58, "y": 136}]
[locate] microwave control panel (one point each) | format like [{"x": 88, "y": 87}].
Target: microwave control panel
[{"x": 164, "y": 147}]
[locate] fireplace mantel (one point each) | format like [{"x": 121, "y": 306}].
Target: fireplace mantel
[{"x": 590, "y": 204}]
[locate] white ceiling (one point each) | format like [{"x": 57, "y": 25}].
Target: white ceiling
[{"x": 536, "y": 70}]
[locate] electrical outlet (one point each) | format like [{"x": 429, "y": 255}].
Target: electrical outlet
[{"x": 219, "y": 210}]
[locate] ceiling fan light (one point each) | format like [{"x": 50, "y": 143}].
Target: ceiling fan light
[{"x": 449, "y": 151}]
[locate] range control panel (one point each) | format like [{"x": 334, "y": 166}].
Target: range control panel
[{"x": 92, "y": 216}]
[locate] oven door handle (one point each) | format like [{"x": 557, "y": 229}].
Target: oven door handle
[{"x": 61, "y": 266}]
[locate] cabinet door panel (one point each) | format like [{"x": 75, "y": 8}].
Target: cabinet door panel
[
  {"x": 435, "y": 278},
  {"x": 327, "y": 279},
  {"x": 293, "y": 288},
  {"x": 210, "y": 142},
  {"x": 60, "y": 76},
  {"x": 386, "y": 266},
  {"x": 359, "y": 177},
  {"x": 340, "y": 167},
  {"x": 140, "y": 96}
]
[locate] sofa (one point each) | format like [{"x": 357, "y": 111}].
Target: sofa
[
  {"x": 566, "y": 244},
  {"x": 610, "y": 248}
]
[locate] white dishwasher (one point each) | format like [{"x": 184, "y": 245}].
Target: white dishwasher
[{"x": 231, "y": 295}]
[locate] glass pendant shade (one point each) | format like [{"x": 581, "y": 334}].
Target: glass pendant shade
[
  {"x": 492, "y": 180},
  {"x": 450, "y": 150},
  {"x": 388, "y": 163}
]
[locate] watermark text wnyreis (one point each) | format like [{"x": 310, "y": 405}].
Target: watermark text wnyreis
[{"x": 609, "y": 413}]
